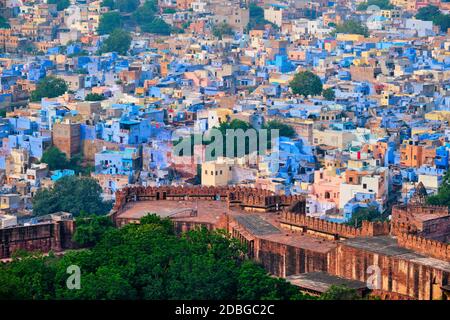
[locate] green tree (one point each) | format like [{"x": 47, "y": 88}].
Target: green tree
[
  {"x": 306, "y": 83},
  {"x": 145, "y": 12},
  {"x": 221, "y": 29},
  {"x": 443, "y": 21},
  {"x": 71, "y": 194},
  {"x": 382, "y": 4},
  {"x": 109, "y": 22},
  {"x": 285, "y": 129},
  {"x": 364, "y": 214},
  {"x": 169, "y": 10},
  {"x": 126, "y": 5},
  {"x": 257, "y": 21},
  {"x": 351, "y": 27},
  {"x": 147, "y": 261},
  {"x": 328, "y": 94},
  {"x": 157, "y": 26},
  {"x": 428, "y": 13},
  {"x": 94, "y": 97},
  {"x": 49, "y": 87},
  {"x": 55, "y": 159},
  {"x": 118, "y": 41},
  {"x": 340, "y": 293},
  {"x": 432, "y": 13},
  {"x": 108, "y": 3},
  {"x": 442, "y": 197},
  {"x": 60, "y": 4},
  {"x": 90, "y": 229},
  {"x": 4, "y": 23}
]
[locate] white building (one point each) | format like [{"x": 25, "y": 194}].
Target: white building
[
  {"x": 422, "y": 28},
  {"x": 7, "y": 220}
]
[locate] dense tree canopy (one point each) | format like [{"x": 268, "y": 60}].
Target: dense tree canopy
[
  {"x": 4, "y": 23},
  {"x": 442, "y": 198},
  {"x": 71, "y": 194},
  {"x": 146, "y": 12},
  {"x": 329, "y": 94},
  {"x": 125, "y": 6},
  {"x": 118, "y": 41},
  {"x": 94, "y": 97},
  {"x": 364, "y": 214},
  {"x": 145, "y": 17},
  {"x": 156, "y": 26},
  {"x": 60, "y": 4},
  {"x": 109, "y": 22},
  {"x": 55, "y": 159},
  {"x": 91, "y": 228},
  {"x": 257, "y": 20},
  {"x": 221, "y": 29},
  {"x": 339, "y": 293},
  {"x": 49, "y": 87},
  {"x": 432, "y": 13},
  {"x": 351, "y": 27},
  {"x": 285, "y": 129},
  {"x": 306, "y": 83},
  {"x": 246, "y": 148},
  {"x": 147, "y": 261},
  {"x": 169, "y": 10},
  {"x": 382, "y": 4}
]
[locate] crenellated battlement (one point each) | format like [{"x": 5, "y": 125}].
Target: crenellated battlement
[
  {"x": 338, "y": 230},
  {"x": 433, "y": 248},
  {"x": 420, "y": 209},
  {"x": 245, "y": 198}
]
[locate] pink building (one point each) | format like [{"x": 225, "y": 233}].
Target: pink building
[{"x": 326, "y": 186}]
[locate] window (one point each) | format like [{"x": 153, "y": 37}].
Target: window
[
  {"x": 364, "y": 186},
  {"x": 206, "y": 172},
  {"x": 220, "y": 172},
  {"x": 212, "y": 173}
]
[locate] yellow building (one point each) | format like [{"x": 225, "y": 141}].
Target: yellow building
[
  {"x": 334, "y": 138},
  {"x": 9, "y": 201},
  {"x": 349, "y": 37},
  {"x": 438, "y": 116},
  {"x": 390, "y": 14},
  {"x": 216, "y": 174}
]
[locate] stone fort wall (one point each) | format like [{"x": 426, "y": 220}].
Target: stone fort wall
[
  {"x": 304, "y": 223},
  {"x": 249, "y": 199},
  {"x": 55, "y": 236}
]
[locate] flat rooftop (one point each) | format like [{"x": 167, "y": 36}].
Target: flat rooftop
[
  {"x": 256, "y": 225},
  {"x": 388, "y": 246},
  {"x": 321, "y": 281},
  {"x": 303, "y": 241},
  {"x": 207, "y": 211}
]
